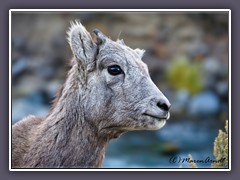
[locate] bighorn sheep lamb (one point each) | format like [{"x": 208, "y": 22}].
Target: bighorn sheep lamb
[{"x": 108, "y": 91}]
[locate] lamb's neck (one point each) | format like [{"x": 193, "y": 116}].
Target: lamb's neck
[{"x": 77, "y": 141}]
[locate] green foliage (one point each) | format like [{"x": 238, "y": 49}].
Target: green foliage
[{"x": 183, "y": 74}]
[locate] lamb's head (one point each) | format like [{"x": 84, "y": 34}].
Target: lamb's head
[{"x": 119, "y": 95}]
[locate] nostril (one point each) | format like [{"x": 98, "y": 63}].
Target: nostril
[{"x": 163, "y": 106}]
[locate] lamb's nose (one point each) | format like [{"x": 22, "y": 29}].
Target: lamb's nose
[{"x": 164, "y": 105}]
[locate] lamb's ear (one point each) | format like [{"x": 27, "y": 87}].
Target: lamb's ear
[
  {"x": 140, "y": 52},
  {"x": 81, "y": 42},
  {"x": 101, "y": 38},
  {"x": 120, "y": 41}
]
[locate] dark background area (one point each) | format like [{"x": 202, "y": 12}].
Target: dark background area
[
  {"x": 187, "y": 56},
  {"x": 4, "y": 91}
]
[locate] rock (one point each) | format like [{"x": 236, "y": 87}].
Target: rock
[
  {"x": 156, "y": 67},
  {"x": 47, "y": 72},
  {"x": 23, "y": 107},
  {"x": 19, "y": 43},
  {"x": 222, "y": 89},
  {"x": 198, "y": 49},
  {"x": 52, "y": 87},
  {"x": 169, "y": 149},
  {"x": 40, "y": 96},
  {"x": 36, "y": 103},
  {"x": 19, "y": 66},
  {"x": 211, "y": 66},
  {"x": 58, "y": 43},
  {"x": 205, "y": 104},
  {"x": 42, "y": 68},
  {"x": 180, "y": 100}
]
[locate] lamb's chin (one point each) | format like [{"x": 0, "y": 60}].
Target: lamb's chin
[
  {"x": 156, "y": 125},
  {"x": 159, "y": 124}
]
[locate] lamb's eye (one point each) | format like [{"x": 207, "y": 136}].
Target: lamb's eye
[{"x": 114, "y": 70}]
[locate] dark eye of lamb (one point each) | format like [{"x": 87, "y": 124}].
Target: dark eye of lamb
[{"x": 114, "y": 70}]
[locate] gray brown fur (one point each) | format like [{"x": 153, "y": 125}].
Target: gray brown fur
[{"x": 92, "y": 107}]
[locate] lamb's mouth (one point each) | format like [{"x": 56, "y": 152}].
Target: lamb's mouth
[
  {"x": 159, "y": 118},
  {"x": 160, "y": 121}
]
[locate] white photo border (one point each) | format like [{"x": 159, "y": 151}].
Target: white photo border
[{"x": 118, "y": 10}]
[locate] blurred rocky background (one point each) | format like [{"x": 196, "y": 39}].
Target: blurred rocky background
[{"x": 187, "y": 55}]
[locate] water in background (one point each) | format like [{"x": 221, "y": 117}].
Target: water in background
[{"x": 176, "y": 139}]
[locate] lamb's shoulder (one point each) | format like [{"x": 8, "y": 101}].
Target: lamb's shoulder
[
  {"x": 22, "y": 133},
  {"x": 26, "y": 125}
]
